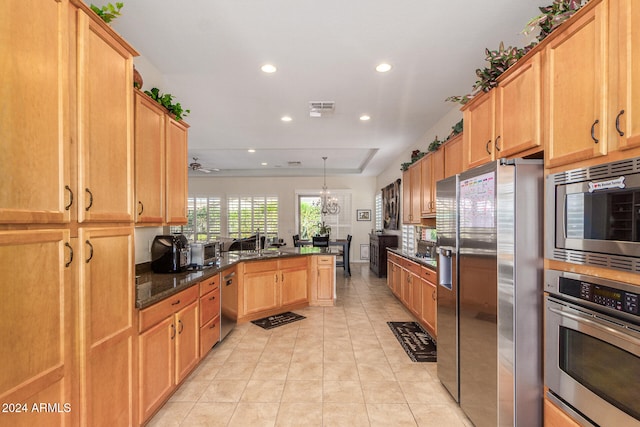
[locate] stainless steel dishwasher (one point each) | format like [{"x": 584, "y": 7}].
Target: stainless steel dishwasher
[{"x": 229, "y": 301}]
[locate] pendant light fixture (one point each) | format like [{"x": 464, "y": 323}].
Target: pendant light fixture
[{"x": 329, "y": 204}]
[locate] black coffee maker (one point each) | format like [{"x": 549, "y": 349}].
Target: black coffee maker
[{"x": 169, "y": 253}]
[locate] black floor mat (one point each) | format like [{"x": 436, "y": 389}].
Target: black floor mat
[
  {"x": 416, "y": 342},
  {"x": 276, "y": 320}
]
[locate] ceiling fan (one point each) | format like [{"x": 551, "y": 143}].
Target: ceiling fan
[{"x": 195, "y": 166}]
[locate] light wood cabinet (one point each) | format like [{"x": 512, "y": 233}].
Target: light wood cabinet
[
  {"x": 34, "y": 130},
  {"x": 273, "y": 284},
  {"x": 554, "y": 417},
  {"x": 519, "y": 109},
  {"x": 625, "y": 106},
  {"x": 394, "y": 275},
  {"x": 105, "y": 124},
  {"x": 411, "y": 194},
  {"x": 479, "y": 129},
  {"x": 176, "y": 171},
  {"x": 453, "y": 157},
  {"x": 149, "y": 160},
  {"x": 107, "y": 327},
  {"x": 36, "y": 355},
  {"x": 209, "y": 313},
  {"x": 322, "y": 279},
  {"x": 576, "y": 89},
  {"x": 432, "y": 171},
  {"x": 169, "y": 348},
  {"x": 429, "y": 301}
]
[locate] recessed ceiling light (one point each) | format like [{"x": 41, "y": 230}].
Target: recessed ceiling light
[
  {"x": 268, "y": 68},
  {"x": 286, "y": 119},
  {"x": 383, "y": 68},
  {"x": 264, "y": 163},
  {"x": 364, "y": 117},
  {"x": 251, "y": 150}
]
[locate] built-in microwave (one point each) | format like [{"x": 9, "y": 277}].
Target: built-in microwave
[{"x": 592, "y": 215}]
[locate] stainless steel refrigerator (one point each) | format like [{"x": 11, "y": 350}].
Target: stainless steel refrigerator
[{"x": 489, "y": 224}]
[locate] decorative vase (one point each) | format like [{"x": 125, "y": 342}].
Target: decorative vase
[{"x": 137, "y": 78}]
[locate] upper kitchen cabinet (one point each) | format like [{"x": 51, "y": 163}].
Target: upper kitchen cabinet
[
  {"x": 479, "y": 129},
  {"x": 176, "y": 145},
  {"x": 519, "y": 109},
  {"x": 432, "y": 171},
  {"x": 150, "y": 159},
  {"x": 576, "y": 88},
  {"x": 506, "y": 121},
  {"x": 34, "y": 130},
  {"x": 625, "y": 110},
  {"x": 104, "y": 121},
  {"x": 411, "y": 194},
  {"x": 453, "y": 156}
]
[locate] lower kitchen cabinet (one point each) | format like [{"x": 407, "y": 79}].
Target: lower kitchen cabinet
[
  {"x": 107, "y": 326},
  {"x": 209, "y": 313},
  {"x": 415, "y": 286},
  {"x": 273, "y": 284},
  {"x": 169, "y": 348},
  {"x": 36, "y": 334},
  {"x": 322, "y": 280},
  {"x": 429, "y": 300}
]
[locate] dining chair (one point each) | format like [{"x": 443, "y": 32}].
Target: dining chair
[
  {"x": 296, "y": 240},
  {"x": 320, "y": 241},
  {"x": 340, "y": 257}
]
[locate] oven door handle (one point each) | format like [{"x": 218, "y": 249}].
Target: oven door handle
[{"x": 610, "y": 327}]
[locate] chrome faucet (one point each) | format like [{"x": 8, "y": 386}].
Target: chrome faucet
[{"x": 258, "y": 245}]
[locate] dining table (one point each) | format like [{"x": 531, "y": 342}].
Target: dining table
[{"x": 343, "y": 243}]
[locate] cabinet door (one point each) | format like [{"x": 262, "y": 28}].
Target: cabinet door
[
  {"x": 426, "y": 175},
  {"x": 626, "y": 116},
  {"x": 156, "y": 366},
  {"x": 187, "y": 344},
  {"x": 176, "y": 171},
  {"x": 34, "y": 131},
  {"x": 293, "y": 284},
  {"x": 107, "y": 331},
  {"x": 576, "y": 88},
  {"x": 149, "y": 143},
  {"x": 397, "y": 280},
  {"x": 452, "y": 158},
  {"x": 519, "y": 109},
  {"x": 406, "y": 197},
  {"x": 416, "y": 296},
  {"x": 416, "y": 191},
  {"x": 105, "y": 125},
  {"x": 37, "y": 328},
  {"x": 429, "y": 306},
  {"x": 260, "y": 291},
  {"x": 479, "y": 130}
]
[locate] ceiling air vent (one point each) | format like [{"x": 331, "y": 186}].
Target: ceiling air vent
[
  {"x": 321, "y": 108},
  {"x": 294, "y": 164}
]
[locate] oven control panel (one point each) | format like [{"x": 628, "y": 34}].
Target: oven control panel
[{"x": 605, "y": 296}]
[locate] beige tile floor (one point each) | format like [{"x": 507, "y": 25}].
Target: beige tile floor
[{"x": 341, "y": 366}]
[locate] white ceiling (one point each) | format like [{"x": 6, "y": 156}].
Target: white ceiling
[{"x": 210, "y": 53}]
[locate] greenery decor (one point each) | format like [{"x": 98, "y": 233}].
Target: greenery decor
[
  {"x": 108, "y": 12},
  {"x": 166, "y": 100},
  {"x": 435, "y": 144},
  {"x": 552, "y": 16},
  {"x": 498, "y": 62},
  {"x": 323, "y": 229}
]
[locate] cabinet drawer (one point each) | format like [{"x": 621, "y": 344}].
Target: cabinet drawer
[
  {"x": 411, "y": 266},
  {"x": 165, "y": 308},
  {"x": 429, "y": 275},
  {"x": 260, "y": 266},
  {"x": 209, "y": 335},
  {"x": 325, "y": 260},
  {"x": 297, "y": 262},
  {"x": 209, "y": 306},
  {"x": 210, "y": 284}
]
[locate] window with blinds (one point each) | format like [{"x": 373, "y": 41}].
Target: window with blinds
[
  {"x": 204, "y": 219},
  {"x": 409, "y": 239},
  {"x": 245, "y": 215}
]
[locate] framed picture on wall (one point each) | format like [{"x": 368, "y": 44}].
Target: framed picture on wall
[{"x": 363, "y": 214}]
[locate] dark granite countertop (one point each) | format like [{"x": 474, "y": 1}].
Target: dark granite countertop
[
  {"x": 431, "y": 263},
  {"x": 153, "y": 287}
]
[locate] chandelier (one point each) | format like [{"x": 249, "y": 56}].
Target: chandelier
[{"x": 329, "y": 204}]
